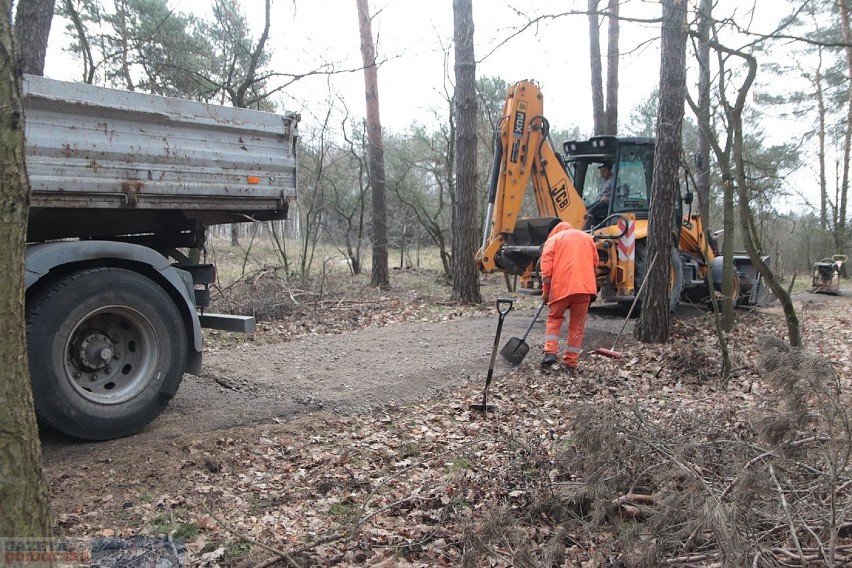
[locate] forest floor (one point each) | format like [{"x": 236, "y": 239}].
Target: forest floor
[{"x": 339, "y": 433}]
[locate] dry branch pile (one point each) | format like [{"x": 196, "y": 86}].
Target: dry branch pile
[{"x": 642, "y": 461}]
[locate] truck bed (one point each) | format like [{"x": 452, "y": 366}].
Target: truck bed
[{"x": 106, "y": 162}]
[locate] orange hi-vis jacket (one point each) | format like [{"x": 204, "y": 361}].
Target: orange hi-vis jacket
[{"x": 568, "y": 262}]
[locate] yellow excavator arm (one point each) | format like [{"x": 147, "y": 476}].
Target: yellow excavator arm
[{"x": 523, "y": 155}]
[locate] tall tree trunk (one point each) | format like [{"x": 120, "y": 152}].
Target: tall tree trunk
[
  {"x": 728, "y": 225},
  {"x": 728, "y": 234},
  {"x": 32, "y": 28},
  {"x": 841, "y": 237},
  {"x": 702, "y": 161},
  {"x": 241, "y": 98},
  {"x": 823, "y": 182},
  {"x": 69, "y": 10},
  {"x": 611, "y": 119},
  {"x": 821, "y": 134},
  {"x": 703, "y": 113},
  {"x": 702, "y": 166},
  {"x": 375, "y": 150},
  {"x": 749, "y": 232},
  {"x": 598, "y": 114},
  {"x": 734, "y": 114},
  {"x": 465, "y": 276},
  {"x": 23, "y": 493},
  {"x": 125, "y": 46},
  {"x": 654, "y": 321}
]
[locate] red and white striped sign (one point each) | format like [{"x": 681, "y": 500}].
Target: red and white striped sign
[{"x": 627, "y": 242}]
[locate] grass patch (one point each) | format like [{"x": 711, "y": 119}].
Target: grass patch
[
  {"x": 409, "y": 450},
  {"x": 163, "y": 525},
  {"x": 342, "y": 510},
  {"x": 235, "y": 262},
  {"x": 460, "y": 463},
  {"x": 235, "y": 551},
  {"x": 186, "y": 531}
]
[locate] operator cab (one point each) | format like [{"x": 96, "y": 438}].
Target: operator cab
[{"x": 632, "y": 168}]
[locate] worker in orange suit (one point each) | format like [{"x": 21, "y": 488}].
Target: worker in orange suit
[{"x": 568, "y": 268}]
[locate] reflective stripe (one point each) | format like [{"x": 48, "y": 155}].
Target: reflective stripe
[
  {"x": 545, "y": 280},
  {"x": 627, "y": 242},
  {"x": 574, "y": 349},
  {"x": 551, "y": 338}
]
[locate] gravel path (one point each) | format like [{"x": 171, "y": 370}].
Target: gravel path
[{"x": 346, "y": 373}]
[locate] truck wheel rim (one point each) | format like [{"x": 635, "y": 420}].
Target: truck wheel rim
[{"x": 111, "y": 355}]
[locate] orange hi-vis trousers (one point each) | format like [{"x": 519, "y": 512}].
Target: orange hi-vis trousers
[{"x": 578, "y": 304}]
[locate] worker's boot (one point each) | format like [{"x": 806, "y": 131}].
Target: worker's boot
[
  {"x": 570, "y": 371},
  {"x": 549, "y": 359}
]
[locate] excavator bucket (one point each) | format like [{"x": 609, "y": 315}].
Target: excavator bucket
[{"x": 523, "y": 245}]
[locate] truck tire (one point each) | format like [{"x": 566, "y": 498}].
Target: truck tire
[
  {"x": 676, "y": 275},
  {"x": 107, "y": 351}
]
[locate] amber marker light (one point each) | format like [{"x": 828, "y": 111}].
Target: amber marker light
[{"x": 253, "y": 180}]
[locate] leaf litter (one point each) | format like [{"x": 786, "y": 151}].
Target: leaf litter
[{"x": 642, "y": 461}]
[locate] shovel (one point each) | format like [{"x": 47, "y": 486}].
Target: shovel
[
  {"x": 516, "y": 348},
  {"x": 504, "y": 305}
]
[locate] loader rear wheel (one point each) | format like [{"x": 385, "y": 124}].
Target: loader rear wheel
[
  {"x": 107, "y": 351},
  {"x": 675, "y": 275},
  {"x": 716, "y": 274},
  {"x": 675, "y": 280},
  {"x": 735, "y": 289}
]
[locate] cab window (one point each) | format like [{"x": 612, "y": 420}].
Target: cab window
[
  {"x": 633, "y": 184},
  {"x": 594, "y": 183}
]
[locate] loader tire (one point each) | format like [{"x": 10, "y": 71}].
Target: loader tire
[
  {"x": 676, "y": 280},
  {"x": 715, "y": 273},
  {"x": 107, "y": 351}
]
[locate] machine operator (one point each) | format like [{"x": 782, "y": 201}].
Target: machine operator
[{"x": 598, "y": 209}]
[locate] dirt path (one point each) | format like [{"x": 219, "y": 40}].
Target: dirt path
[
  {"x": 347, "y": 373},
  {"x": 251, "y": 385}
]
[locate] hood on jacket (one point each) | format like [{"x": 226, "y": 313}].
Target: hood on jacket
[{"x": 561, "y": 226}]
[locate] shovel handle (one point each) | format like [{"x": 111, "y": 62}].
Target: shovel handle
[
  {"x": 504, "y": 306},
  {"x": 534, "y": 319}
]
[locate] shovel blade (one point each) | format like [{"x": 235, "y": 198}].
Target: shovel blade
[{"x": 515, "y": 350}]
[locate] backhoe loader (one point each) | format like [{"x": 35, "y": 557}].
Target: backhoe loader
[{"x": 565, "y": 186}]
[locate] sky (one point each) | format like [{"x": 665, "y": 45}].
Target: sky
[{"x": 414, "y": 39}]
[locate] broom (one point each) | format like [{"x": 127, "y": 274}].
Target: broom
[{"x": 612, "y": 352}]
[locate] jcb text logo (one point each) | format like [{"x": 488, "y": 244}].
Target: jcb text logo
[{"x": 560, "y": 195}]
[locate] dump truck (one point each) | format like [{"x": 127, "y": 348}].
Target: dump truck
[{"x": 124, "y": 186}]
